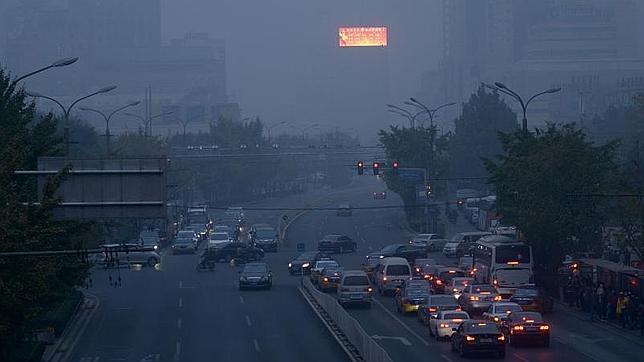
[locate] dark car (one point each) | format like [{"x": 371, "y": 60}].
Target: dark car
[
  {"x": 239, "y": 251},
  {"x": 477, "y": 298},
  {"x": 330, "y": 277},
  {"x": 443, "y": 276},
  {"x": 408, "y": 251},
  {"x": 255, "y": 275},
  {"x": 532, "y": 300},
  {"x": 265, "y": 238},
  {"x": 526, "y": 327},
  {"x": 370, "y": 263},
  {"x": 304, "y": 262},
  {"x": 478, "y": 337},
  {"x": 434, "y": 304},
  {"x": 336, "y": 243},
  {"x": 420, "y": 264}
]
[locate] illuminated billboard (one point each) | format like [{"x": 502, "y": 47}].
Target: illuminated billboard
[{"x": 362, "y": 36}]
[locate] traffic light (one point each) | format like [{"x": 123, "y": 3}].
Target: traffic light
[
  {"x": 360, "y": 167},
  {"x": 394, "y": 167},
  {"x": 376, "y": 168},
  {"x": 428, "y": 191}
]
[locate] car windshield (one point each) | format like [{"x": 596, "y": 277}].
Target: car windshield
[
  {"x": 481, "y": 328},
  {"x": 512, "y": 254},
  {"x": 442, "y": 300},
  {"x": 483, "y": 289},
  {"x": 255, "y": 268},
  {"x": 324, "y": 263},
  {"x": 462, "y": 281},
  {"x": 506, "y": 308},
  {"x": 416, "y": 293},
  {"x": 306, "y": 256},
  {"x": 390, "y": 248},
  {"x": 265, "y": 233},
  {"x": 356, "y": 280},
  {"x": 456, "y": 315},
  {"x": 397, "y": 270},
  {"x": 184, "y": 240}
]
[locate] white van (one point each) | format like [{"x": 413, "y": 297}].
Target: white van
[
  {"x": 354, "y": 287},
  {"x": 391, "y": 274}
]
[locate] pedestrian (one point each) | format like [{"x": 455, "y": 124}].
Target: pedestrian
[
  {"x": 619, "y": 309},
  {"x": 612, "y": 303},
  {"x": 600, "y": 297},
  {"x": 590, "y": 302}
]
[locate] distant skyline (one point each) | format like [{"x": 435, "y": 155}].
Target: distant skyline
[{"x": 284, "y": 62}]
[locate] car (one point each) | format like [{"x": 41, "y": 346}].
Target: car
[
  {"x": 237, "y": 213},
  {"x": 461, "y": 243},
  {"x": 199, "y": 229},
  {"x": 426, "y": 241},
  {"x": 370, "y": 263},
  {"x": 434, "y": 304},
  {"x": 265, "y": 238},
  {"x": 443, "y": 324},
  {"x": 222, "y": 229},
  {"x": 408, "y": 299},
  {"x": 443, "y": 276},
  {"x": 466, "y": 263},
  {"x": 449, "y": 249},
  {"x": 532, "y": 299},
  {"x": 184, "y": 245},
  {"x": 187, "y": 234},
  {"x": 336, "y": 243},
  {"x": 523, "y": 327},
  {"x": 150, "y": 238},
  {"x": 330, "y": 277},
  {"x": 458, "y": 284},
  {"x": 477, "y": 298},
  {"x": 416, "y": 284},
  {"x": 499, "y": 311},
  {"x": 253, "y": 230},
  {"x": 420, "y": 264},
  {"x": 407, "y": 251},
  {"x": 473, "y": 336},
  {"x": 391, "y": 274},
  {"x": 354, "y": 288},
  {"x": 344, "y": 210},
  {"x": 304, "y": 262},
  {"x": 114, "y": 255},
  {"x": 379, "y": 195},
  {"x": 255, "y": 275},
  {"x": 219, "y": 239},
  {"x": 319, "y": 265},
  {"x": 239, "y": 251}
]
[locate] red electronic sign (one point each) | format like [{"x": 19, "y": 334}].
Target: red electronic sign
[{"x": 362, "y": 36}]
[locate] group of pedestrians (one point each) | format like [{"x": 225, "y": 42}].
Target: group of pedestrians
[{"x": 606, "y": 303}]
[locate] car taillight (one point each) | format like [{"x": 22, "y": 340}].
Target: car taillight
[
  {"x": 443, "y": 325},
  {"x": 497, "y": 298},
  {"x": 457, "y": 320},
  {"x": 458, "y": 308},
  {"x": 544, "y": 328},
  {"x": 474, "y": 298},
  {"x": 518, "y": 328},
  {"x": 500, "y": 338},
  {"x": 496, "y": 319},
  {"x": 428, "y": 277},
  {"x": 439, "y": 282},
  {"x": 470, "y": 338},
  {"x": 431, "y": 309}
]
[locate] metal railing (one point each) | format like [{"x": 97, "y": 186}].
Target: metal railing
[{"x": 367, "y": 347}]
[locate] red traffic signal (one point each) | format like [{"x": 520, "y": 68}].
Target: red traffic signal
[
  {"x": 376, "y": 168},
  {"x": 395, "y": 164}
]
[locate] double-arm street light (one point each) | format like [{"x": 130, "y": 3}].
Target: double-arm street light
[
  {"x": 57, "y": 64},
  {"x": 146, "y": 122},
  {"x": 184, "y": 124},
  {"x": 67, "y": 110},
  {"x": 524, "y": 105},
  {"x": 431, "y": 112},
  {"x": 405, "y": 113},
  {"x": 107, "y": 119}
]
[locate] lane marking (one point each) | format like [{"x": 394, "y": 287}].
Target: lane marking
[
  {"x": 446, "y": 358},
  {"x": 520, "y": 357},
  {"x": 241, "y": 299},
  {"x": 180, "y": 284},
  {"x": 256, "y": 345},
  {"x": 180, "y": 302},
  {"x": 179, "y": 323},
  {"x": 248, "y": 321},
  {"x": 177, "y": 351},
  {"x": 421, "y": 339},
  {"x": 402, "y": 340}
]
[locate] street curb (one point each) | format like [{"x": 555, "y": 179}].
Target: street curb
[
  {"x": 64, "y": 346},
  {"x": 632, "y": 336}
]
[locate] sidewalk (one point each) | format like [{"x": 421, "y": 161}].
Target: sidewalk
[{"x": 611, "y": 326}]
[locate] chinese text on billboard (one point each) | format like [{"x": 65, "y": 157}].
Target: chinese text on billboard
[{"x": 362, "y": 36}]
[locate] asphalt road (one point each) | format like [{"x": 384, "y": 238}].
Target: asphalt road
[{"x": 177, "y": 314}]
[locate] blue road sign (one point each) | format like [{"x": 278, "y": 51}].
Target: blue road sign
[{"x": 411, "y": 175}]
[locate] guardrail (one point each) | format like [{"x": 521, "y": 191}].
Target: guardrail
[{"x": 366, "y": 347}]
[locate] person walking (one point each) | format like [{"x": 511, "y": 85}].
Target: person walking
[
  {"x": 619, "y": 309},
  {"x": 612, "y": 303},
  {"x": 600, "y": 297}
]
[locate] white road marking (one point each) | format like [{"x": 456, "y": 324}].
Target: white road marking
[
  {"x": 177, "y": 352},
  {"x": 256, "y": 345},
  {"x": 248, "y": 321},
  {"x": 180, "y": 302},
  {"x": 180, "y": 284},
  {"x": 241, "y": 299},
  {"x": 520, "y": 357},
  {"x": 179, "y": 323},
  {"x": 446, "y": 358},
  {"x": 403, "y": 324}
]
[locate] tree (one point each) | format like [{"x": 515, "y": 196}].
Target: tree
[
  {"x": 30, "y": 285},
  {"x": 484, "y": 115},
  {"x": 545, "y": 182}
]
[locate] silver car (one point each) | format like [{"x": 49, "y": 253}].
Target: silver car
[
  {"x": 127, "y": 254},
  {"x": 354, "y": 287}
]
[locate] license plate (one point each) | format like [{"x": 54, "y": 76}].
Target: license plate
[
  {"x": 485, "y": 340},
  {"x": 531, "y": 329},
  {"x": 356, "y": 297}
]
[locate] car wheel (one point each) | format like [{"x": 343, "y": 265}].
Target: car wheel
[{"x": 152, "y": 262}]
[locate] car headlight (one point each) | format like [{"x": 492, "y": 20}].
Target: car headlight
[
  {"x": 242, "y": 278},
  {"x": 305, "y": 265},
  {"x": 290, "y": 265},
  {"x": 156, "y": 247}
]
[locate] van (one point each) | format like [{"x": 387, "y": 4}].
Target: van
[
  {"x": 354, "y": 287},
  {"x": 461, "y": 243},
  {"x": 391, "y": 274}
]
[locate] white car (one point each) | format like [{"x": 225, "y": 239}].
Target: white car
[
  {"x": 499, "y": 311},
  {"x": 425, "y": 240},
  {"x": 219, "y": 239},
  {"x": 441, "y": 326}
]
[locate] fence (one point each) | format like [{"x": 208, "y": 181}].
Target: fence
[{"x": 368, "y": 348}]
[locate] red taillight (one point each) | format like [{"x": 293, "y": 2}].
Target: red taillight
[
  {"x": 544, "y": 328},
  {"x": 431, "y": 309},
  {"x": 428, "y": 277},
  {"x": 439, "y": 282},
  {"x": 470, "y": 338},
  {"x": 500, "y": 338}
]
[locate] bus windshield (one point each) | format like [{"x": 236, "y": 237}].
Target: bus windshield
[{"x": 512, "y": 254}]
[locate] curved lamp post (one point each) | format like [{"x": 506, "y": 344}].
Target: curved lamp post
[
  {"x": 107, "y": 119},
  {"x": 57, "y": 64},
  {"x": 524, "y": 105}
]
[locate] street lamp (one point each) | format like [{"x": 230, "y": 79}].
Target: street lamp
[
  {"x": 524, "y": 105},
  {"x": 57, "y": 64},
  {"x": 185, "y": 124},
  {"x": 67, "y": 110},
  {"x": 107, "y": 119},
  {"x": 145, "y": 122},
  {"x": 430, "y": 112}
]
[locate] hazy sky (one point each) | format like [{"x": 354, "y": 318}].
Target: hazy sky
[{"x": 284, "y": 63}]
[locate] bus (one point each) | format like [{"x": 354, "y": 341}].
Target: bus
[
  {"x": 503, "y": 262},
  {"x": 198, "y": 215}
]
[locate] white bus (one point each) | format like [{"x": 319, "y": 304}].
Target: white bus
[{"x": 503, "y": 262}]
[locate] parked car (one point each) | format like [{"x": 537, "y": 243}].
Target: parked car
[
  {"x": 478, "y": 337},
  {"x": 353, "y": 288},
  {"x": 255, "y": 275},
  {"x": 336, "y": 243}
]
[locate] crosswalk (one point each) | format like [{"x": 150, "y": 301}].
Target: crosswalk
[{"x": 154, "y": 357}]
